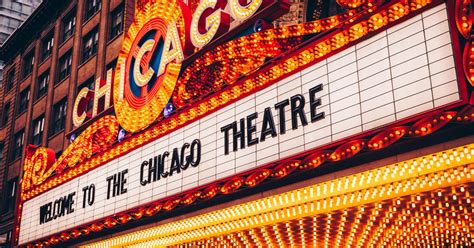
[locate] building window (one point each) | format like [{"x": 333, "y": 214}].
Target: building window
[
  {"x": 5, "y": 239},
  {"x": 116, "y": 22},
  {"x": 28, "y": 63},
  {"x": 23, "y": 101},
  {"x": 38, "y": 127},
  {"x": 65, "y": 66},
  {"x": 92, "y": 6},
  {"x": 58, "y": 121},
  {"x": 90, "y": 84},
  {"x": 42, "y": 85},
  {"x": 47, "y": 46},
  {"x": 68, "y": 25},
  {"x": 10, "y": 195},
  {"x": 90, "y": 44},
  {"x": 10, "y": 80},
  {"x": 17, "y": 147},
  {"x": 2, "y": 147},
  {"x": 6, "y": 111}
]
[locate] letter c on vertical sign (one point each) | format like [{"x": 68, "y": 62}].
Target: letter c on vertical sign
[
  {"x": 149, "y": 64},
  {"x": 79, "y": 109}
]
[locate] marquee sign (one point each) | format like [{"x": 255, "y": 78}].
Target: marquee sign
[{"x": 253, "y": 108}]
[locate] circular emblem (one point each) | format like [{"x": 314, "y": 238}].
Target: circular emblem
[{"x": 149, "y": 64}]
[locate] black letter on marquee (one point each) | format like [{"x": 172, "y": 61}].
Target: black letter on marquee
[
  {"x": 315, "y": 102},
  {"x": 143, "y": 182},
  {"x": 268, "y": 125},
  {"x": 195, "y": 158},
  {"x": 239, "y": 134},
  {"x": 280, "y": 106},
  {"x": 184, "y": 160},
  {"x": 297, "y": 110},
  {"x": 70, "y": 202},
  {"x": 161, "y": 167},
  {"x": 109, "y": 182},
  {"x": 124, "y": 181},
  {"x": 251, "y": 129},
  {"x": 226, "y": 130},
  {"x": 175, "y": 164},
  {"x": 89, "y": 195}
]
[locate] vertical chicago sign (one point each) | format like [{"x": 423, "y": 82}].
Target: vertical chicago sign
[{"x": 210, "y": 110}]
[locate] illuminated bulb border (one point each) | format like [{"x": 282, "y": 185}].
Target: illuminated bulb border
[
  {"x": 322, "y": 48},
  {"x": 423, "y": 174},
  {"x": 283, "y": 169}
]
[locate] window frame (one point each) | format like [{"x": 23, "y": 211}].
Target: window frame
[
  {"x": 68, "y": 18},
  {"x": 2, "y": 149},
  {"x": 10, "y": 194},
  {"x": 22, "y": 103},
  {"x": 91, "y": 9},
  {"x": 5, "y": 114},
  {"x": 17, "y": 150},
  {"x": 112, "y": 28},
  {"x": 67, "y": 57},
  {"x": 47, "y": 40},
  {"x": 42, "y": 91},
  {"x": 28, "y": 63},
  {"x": 10, "y": 80},
  {"x": 34, "y": 136},
  {"x": 58, "y": 117},
  {"x": 93, "y": 35}
]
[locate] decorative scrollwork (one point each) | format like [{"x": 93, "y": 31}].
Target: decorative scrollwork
[
  {"x": 41, "y": 163},
  {"x": 464, "y": 17}
]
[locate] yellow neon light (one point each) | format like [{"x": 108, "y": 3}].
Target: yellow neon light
[{"x": 410, "y": 179}]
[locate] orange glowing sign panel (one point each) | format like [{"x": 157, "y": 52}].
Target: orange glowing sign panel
[{"x": 162, "y": 35}]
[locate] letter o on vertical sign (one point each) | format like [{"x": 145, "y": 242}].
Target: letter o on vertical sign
[{"x": 148, "y": 65}]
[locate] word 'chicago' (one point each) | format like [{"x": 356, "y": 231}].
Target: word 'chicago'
[{"x": 153, "y": 169}]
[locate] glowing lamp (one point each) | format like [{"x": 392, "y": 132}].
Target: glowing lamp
[
  {"x": 386, "y": 138},
  {"x": 464, "y": 16},
  {"x": 314, "y": 160},
  {"x": 431, "y": 124},
  {"x": 209, "y": 192},
  {"x": 85, "y": 230},
  {"x": 190, "y": 198},
  {"x": 232, "y": 185},
  {"x": 64, "y": 236},
  {"x": 121, "y": 135},
  {"x": 97, "y": 227},
  {"x": 75, "y": 233},
  {"x": 138, "y": 214},
  {"x": 261, "y": 25},
  {"x": 152, "y": 210},
  {"x": 110, "y": 222},
  {"x": 347, "y": 150},
  {"x": 170, "y": 204},
  {"x": 168, "y": 110},
  {"x": 286, "y": 168},
  {"x": 257, "y": 177}
]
